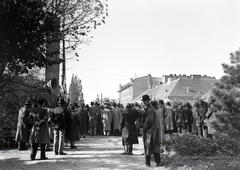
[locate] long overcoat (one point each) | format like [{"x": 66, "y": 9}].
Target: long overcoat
[
  {"x": 201, "y": 115},
  {"x": 22, "y": 134},
  {"x": 84, "y": 121},
  {"x": 179, "y": 117},
  {"x": 170, "y": 119},
  {"x": 127, "y": 126},
  {"x": 160, "y": 116},
  {"x": 195, "y": 116},
  {"x": 38, "y": 117},
  {"x": 150, "y": 131},
  {"x": 106, "y": 117},
  {"x": 116, "y": 113},
  {"x": 73, "y": 129},
  {"x": 93, "y": 116}
]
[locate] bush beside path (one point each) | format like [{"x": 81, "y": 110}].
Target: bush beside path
[{"x": 104, "y": 153}]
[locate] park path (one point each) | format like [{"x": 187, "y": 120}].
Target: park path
[{"x": 93, "y": 153}]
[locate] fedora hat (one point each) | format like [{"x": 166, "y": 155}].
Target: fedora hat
[
  {"x": 27, "y": 102},
  {"x": 145, "y": 97}
]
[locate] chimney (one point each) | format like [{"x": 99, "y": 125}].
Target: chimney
[
  {"x": 169, "y": 80},
  {"x": 149, "y": 81}
]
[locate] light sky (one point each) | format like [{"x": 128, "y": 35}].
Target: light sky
[{"x": 157, "y": 37}]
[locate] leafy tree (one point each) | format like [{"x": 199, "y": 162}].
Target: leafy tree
[
  {"x": 13, "y": 96},
  {"x": 28, "y": 27},
  {"x": 75, "y": 91}
]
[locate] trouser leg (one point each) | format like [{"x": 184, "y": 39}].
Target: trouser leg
[
  {"x": 189, "y": 128},
  {"x": 179, "y": 129},
  {"x": 199, "y": 130},
  {"x": 147, "y": 160},
  {"x": 72, "y": 143},
  {"x": 94, "y": 131},
  {"x": 130, "y": 148},
  {"x": 56, "y": 141},
  {"x": 43, "y": 155},
  {"x": 91, "y": 131},
  {"x": 157, "y": 157},
  {"x": 205, "y": 131},
  {"x": 34, "y": 148},
  {"x": 61, "y": 140},
  {"x": 21, "y": 145}
]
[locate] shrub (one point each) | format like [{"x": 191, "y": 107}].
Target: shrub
[{"x": 190, "y": 145}]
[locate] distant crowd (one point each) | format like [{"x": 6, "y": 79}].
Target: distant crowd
[{"x": 68, "y": 122}]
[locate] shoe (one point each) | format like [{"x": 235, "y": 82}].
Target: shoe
[
  {"x": 31, "y": 157},
  {"x": 124, "y": 153},
  {"x": 73, "y": 147},
  {"x": 148, "y": 165},
  {"x": 129, "y": 153},
  {"x": 23, "y": 149},
  {"x": 62, "y": 153},
  {"x": 83, "y": 136},
  {"x": 56, "y": 153},
  {"x": 45, "y": 158},
  {"x": 159, "y": 164}
]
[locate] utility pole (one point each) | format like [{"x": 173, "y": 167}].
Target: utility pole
[{"x": 64, "y": 86}]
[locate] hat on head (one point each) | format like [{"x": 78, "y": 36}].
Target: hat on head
[
  {"x": 61, "y": 100},
  {"x": 145, "y": 97},
  {"x": 75, "y": 104},
  {"x": 27, "y": 102},
  {"x": 129, "y": 105},
  {"x": 154, "y": 102}
]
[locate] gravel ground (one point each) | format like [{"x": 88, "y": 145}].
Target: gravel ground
[{"x": 92, "y": 152}]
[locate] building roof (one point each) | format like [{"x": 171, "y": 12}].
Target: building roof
[
  {"x": 193, "y": 87},
  {"x": 151, "y": 92},
  {"x": 182, "y": 87}
]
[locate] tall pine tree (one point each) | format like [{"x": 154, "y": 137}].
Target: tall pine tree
[
  {"x": 227, "y": 99},
  {"x": 227, "y": 91},
  {"x": 75, "y": 91}
]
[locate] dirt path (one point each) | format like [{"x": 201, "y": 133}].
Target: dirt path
[{"x": 93, "y": 152}]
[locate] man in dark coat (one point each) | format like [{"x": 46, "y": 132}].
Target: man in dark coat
[
  {"x": 150, "y": 133},
  {"x": 188, "y": 117},
  {"x": 22, "y": 135},
  {"x": 128, "y": 128},
  {"x": 93, "y": 114},
  {"x": 201, "y": 116}
]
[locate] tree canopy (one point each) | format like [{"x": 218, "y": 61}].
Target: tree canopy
[
  {"x": 27, "y": 26},
  {"x": 227, "y": 91}
]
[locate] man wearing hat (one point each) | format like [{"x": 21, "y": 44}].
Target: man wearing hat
[
  {"x": 22, "y": 135},
  {"x": 150, "y": 133},
  {"x": 59, "y": 120}
]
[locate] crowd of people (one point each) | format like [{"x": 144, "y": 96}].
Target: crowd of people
[{"x": 68, "y": 122}]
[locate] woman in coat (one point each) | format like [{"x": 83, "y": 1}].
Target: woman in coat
[
  {"x": 39, "y": 134},
  {"x": 128, "y": 129},
  {"x": 73, "y": 129},
  {"x": 22, "y": 135},
  {"x": 170, "y": 118},
  {"x": 160, "y": 116},
  {"x": 106, "y": 117},
  {"x": 116, "y": 113}
]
